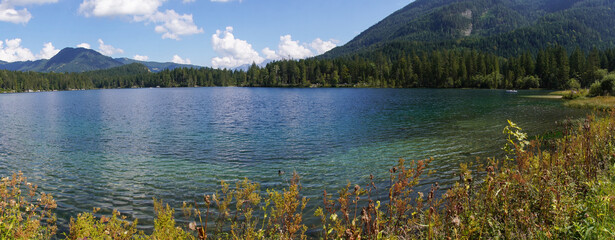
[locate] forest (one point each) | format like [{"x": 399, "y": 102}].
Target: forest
[{"x": 551, "y": 68}]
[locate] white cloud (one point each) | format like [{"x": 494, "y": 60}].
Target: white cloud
[
  {"x": 179, "y": 60},
  {"x": 48, "y": 51},
  {"x": 222, "y": 0},
  {"x": 270, "y": 54},
  {"x": 140, "y": 58},
  {"x": 10, "y": 13},
  {"x": 321, "y": 46},
  {"x": 289, "y": 49},
  {"x": 292, "y": 49},
  {"x": 107, "y": 8},
  {"x": 169, "y": 23},
  {"x": 232, "y": 51},
  {"x": 84, "y": 45},
  {"x": 188, "y": 1},
  {"x": 13, "y": 51},
  {"x": 108, "y": 49},
  {"x": 14, "y": 16}
]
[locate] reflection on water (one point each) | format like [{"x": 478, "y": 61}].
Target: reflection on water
[{"x": 119, "y": 148}]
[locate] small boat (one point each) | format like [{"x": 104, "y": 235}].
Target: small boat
[{"x": 511, "y": 91}]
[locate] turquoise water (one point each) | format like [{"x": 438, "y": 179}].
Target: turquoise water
[{"x": 116, "y": 149}]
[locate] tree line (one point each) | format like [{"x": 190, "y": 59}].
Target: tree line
[{"x": 551, "y": 68}]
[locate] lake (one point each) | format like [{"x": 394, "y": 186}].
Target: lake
[{"x": 117, "y": 149}]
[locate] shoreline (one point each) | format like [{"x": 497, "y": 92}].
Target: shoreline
[{"x": 289, "y": 87}]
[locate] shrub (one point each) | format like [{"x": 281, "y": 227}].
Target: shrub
[
  {"x": 608, "y": 84},
  {"x": 604, "y": 87},
  {"x": 528, "y": 82},
  {"x": 87, "y": 226},
  {"x": 25, "y": 213},
  {"x": 595, "y": 89},
  {"x": 573, "y": 84}
]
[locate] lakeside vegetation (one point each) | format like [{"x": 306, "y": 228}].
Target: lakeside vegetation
[
  {"x": 550, "y": 68},
  {"x": 598, "y": 97},
  {"x": 598, "y": 103},
  {"x": 561, "y": 190}
]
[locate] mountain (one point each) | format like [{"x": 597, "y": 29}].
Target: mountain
[
  {"x": 156, "y": 66},
  {"x": 67, "y": 60},
  {"x": 24, "y": 66},
  {"x": 79, "y": 60},
  {"x": 505, "y": 27},
  {"x": 83, "y": 60}
]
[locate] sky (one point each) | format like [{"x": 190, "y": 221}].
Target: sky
[{"x": 213, "y": 33}]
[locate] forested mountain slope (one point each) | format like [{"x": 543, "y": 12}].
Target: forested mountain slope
[
  {"x": 504, "y": 27},
  {"x": 67, "y": 60}
]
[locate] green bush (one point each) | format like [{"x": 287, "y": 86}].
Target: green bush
[
  {"x": 574, "y": 94},
  {"x": 608, "y": 84},
  {"x": 528, "y": 82},
  {"x": 573, "y": 84},
  {"x": 605, "y": 87},
  {"x": 595, "y": 89}
]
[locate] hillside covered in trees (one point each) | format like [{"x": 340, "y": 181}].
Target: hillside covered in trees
[
  {"x": 550, "y": 68},
  {"x": 503, "y": 27}
]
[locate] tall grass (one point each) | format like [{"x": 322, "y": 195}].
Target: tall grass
[{"x": 565, "y": 190}]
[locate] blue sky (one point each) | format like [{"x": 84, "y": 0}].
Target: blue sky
[{"x": 218, "y": 33}]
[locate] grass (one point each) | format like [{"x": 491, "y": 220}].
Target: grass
[
  {"x": 564, "y": 192},
  {"x": 580, "y": 99},
  {"x": 596, "y": 103},
  {"x": 544, "y": 96}
]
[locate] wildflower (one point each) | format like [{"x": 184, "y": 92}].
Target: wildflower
[{"x": 456, "y": 221}]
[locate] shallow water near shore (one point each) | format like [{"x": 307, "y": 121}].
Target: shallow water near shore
[{"x": 117, "y": 149}]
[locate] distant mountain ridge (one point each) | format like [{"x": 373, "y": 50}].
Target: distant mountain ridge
[
  {"x": 157, "y": 66},
  {"x": 83, "y": 60},
  {"x": 505, "y": 27},
  {"x": 79, "y": 60}
]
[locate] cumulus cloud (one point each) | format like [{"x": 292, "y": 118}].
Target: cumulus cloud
[
  {"x": 84, "y": 45},
  {"x": 223, "y": 0},
  {"x": 12, "y": 51},
  {"x": 10, "y": 13},
  {"x": 188, "y": 1},
  {"x": 232, "y": 51},
  {"x": 270, "y": 54},
  {"x": 108, "y": 49},
  {"x": 107, "y": 8},
  {"x": 290, "y": 49},
  {"x": 140, "y": 58},
  {"x": 48, "y": 51},
  {"x": 169, "y": 23},
  {"x": 321, "y": 46},
  {"x": 177, "y": 59}
]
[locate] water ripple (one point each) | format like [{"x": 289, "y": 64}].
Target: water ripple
[{"x": 117, "y": 149}]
